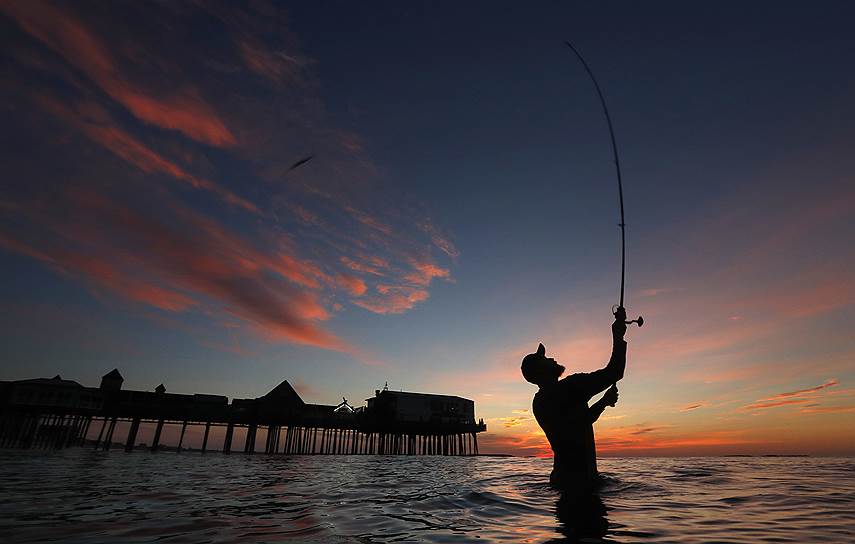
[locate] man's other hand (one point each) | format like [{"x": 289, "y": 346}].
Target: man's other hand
[{"x": 611, "y": 396}]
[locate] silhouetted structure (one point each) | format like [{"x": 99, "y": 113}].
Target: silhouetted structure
[{"x": 56, "y": 413}]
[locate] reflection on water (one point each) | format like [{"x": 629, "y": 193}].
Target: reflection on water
[
  {"x": 86, "y": 496},
  {"x": 581, "y": 519}
]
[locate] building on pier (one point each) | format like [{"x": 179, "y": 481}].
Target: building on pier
[
  {"x": 404, "y": 406},
  {"x": 58, "y": 413},
  {"x": 55, "y": 393}
]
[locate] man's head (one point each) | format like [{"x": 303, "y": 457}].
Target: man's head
[{"x": 538, "y": 369}]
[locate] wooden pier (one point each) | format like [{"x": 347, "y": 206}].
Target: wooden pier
[{"x": 56, "y": 413}]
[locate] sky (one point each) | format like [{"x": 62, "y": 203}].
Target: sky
[{"x": 460, "y": 207}]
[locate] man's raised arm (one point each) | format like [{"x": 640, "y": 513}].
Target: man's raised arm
[{"x": 600, "y": 380}]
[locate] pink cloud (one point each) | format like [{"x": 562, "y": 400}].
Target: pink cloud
[
  {"x": 140, "y": 239},
  {"x": 100, "y": 129},
  {"x": 369, "y": 220},
  {"x": 762, "y": 405},
  {"x": 830, "y": 383},
  {"x": 424, "y": 272},
  {"x": 103, "y": 274},
  {"x": 185, "y": 111},
  {"x": 369, "y": 265},
  {"x": 182, "y": 109},
  {"x": 355, "y": 286},
  {"x": 802, "y": 396},
  {"x": 393, "y": 299},
  {"x": 200, "y": 262}
]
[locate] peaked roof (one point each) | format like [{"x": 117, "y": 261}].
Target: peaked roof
[
  {"x": 113, "y": 374},
  {"x": 284, "y": 390},
  {"x": 160, "y": 389}
]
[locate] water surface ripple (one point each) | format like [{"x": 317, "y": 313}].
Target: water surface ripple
[{"x": 83, "y": 496}]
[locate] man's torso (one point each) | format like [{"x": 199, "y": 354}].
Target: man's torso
[{"x": 565, "y": 419}]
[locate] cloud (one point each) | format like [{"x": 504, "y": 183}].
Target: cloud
[
  {"x": 690, "y": 407},
  {"x": 103, "y": 131},
  {"x": 104, "y": 275},
  {"x": 355, "y": 286},
  {"x": 830, "y": 383},
  {"x": 373, "y": 267},
  {"x": 393, "y": 299},
  {"x": 440, "y": 239},
  {"x": 800, "y": 396},
  {"x": 424, "y": 272},
  {"x": 398, "y": 298},
  {"x": 130, "y": 121},
  {"x": 519, "y": 417},
  {"x": 183, "y": 109},
  {"x": 828, "y": 409},
  {"x": 652, "y": 292},
  {"x": 509, "y": 422},
  {"x": 762, "y": 405},
  {"x": 369, "y": 220},
  {"x": 646, "y": 430},
  {"x": 278, "y": 66},
  {"x": 190, "y": 262}
]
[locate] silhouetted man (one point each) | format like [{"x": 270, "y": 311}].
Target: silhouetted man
[{"x": 561, "y": 409}]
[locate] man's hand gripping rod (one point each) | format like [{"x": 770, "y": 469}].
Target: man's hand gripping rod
[{"x": 620, "y": 314}]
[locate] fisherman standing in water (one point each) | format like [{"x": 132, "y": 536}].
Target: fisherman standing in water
[{"x": 561, "y": 409}]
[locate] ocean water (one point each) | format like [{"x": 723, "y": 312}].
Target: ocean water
[{"x": 80, "y": 495}]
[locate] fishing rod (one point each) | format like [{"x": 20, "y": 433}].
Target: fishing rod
[{"x": 619, "y": 310}]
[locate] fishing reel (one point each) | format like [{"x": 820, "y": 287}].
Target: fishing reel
[{"x": 620, "y": 313}]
